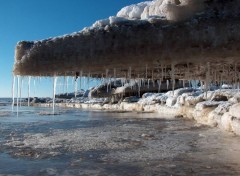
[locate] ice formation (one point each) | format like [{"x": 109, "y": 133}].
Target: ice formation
[
  {"x": 163, "y": 35},
  {"x": 153, "y": 43}
]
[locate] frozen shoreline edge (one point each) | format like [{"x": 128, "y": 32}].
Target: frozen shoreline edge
[{"x": 205, "y": 115}]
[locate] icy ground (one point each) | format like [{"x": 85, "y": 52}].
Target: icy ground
[{"x": 106, "y": 143}]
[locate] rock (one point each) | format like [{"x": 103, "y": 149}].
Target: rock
[
  {"x": 226, "y": 122},
  {"x": 147, "y": 136},
  {"x": 38, "y": 100},
  {"x": 171, "y": 101},
  {"x": 131, "y": 99},
  {"x": 236, "y": 125},
  {"x": 207, "y": 104},
  {"x": 222, "y": 108},
  {"x": 235, "y": 110},
  {"x": 193, "y": 100}
]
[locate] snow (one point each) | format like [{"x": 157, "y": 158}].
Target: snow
[
  {"x": 235, "y": 110},
  {"x": 134, "y": 11},
  {"x": 150, "y": 10},
  {"x": 169, "y": 9},
  {"x": 222, "y": 108}
]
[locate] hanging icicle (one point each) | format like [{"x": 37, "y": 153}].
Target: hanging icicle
[
  {"x": 54, "y": 93},
  {"x": 130, "y": 73},
  {"x": 29, "y": 87},
  {"x": 146, "y": 74},
  {"x": 167, "y": 84},
  {"x": 67, "y": 84},
  {"x": 18, "y": 89},
  {"x": 115, "y": 75},
  {"x": 88, "y": 80},
  {"x": 75, "y": 87},
  {"x": 173, "y": 77},
  {"x": 21, "y": 91},
  {"x": 159, "y": 85},
  {"x": 80, "y": 80},
  {"x": 13, "y": 92},
  {"x": 207, "y": 80}
]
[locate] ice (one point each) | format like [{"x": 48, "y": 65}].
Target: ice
[
  {"x": 235, "y": 110},
  {"x": 207, "y": 81},
  {"x": 101, "y": 23},
  {"x": 75, "y": 87},
  {"x": 29, "y": 89},
  {"x": 130, "y": 73},
  {"x": 173, "y": 76},
  {"x": 116, "y": 20},
  {"x": 18, "y": 92},
  {"x": 80, "y": 82},
  {"x": 67, "y": 84},
  {"x": 13, "y": 91},
  {"x": 114, "y": 75},
  {"x": 54, "y": 92},
  {"x": 133, "y": 11},
  {"x": 21, "y": 85},
  {"x": 159, "y": 85},
  {"x": 169, "y": 9}
]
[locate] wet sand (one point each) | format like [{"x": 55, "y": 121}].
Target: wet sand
[{"x": 108, "y": 143}]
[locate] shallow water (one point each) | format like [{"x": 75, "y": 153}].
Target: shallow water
[{"x": 77, "y": 142}]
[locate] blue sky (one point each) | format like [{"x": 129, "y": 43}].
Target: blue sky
[{"x": 39, "y": 19}]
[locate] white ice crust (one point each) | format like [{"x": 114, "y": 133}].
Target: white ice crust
[{"x": 172, "y": 10}]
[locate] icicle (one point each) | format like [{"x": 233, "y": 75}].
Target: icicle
[
  {"x": 139, "y": 86},
  {"x": 189, "y": 84},
  {"x": 235, "y": 75},
  {"x": 110, "y": 83},
  {"x": 76, "y": 87},
  {"x": 148, "y": 83},
  {"x": 107, "y": 86},
  {"x": 114, "y": 75},
  {"x": 201, "y": 85},
  {"x": 88, "y": 80},
  {"x": 146, "y": 71},
  {"x": 167, "y": 84},
  {"x": 80, "y": 80},
  {"x": 207, "y": 81},
  {"x": 67, "y": 85},
  {"x": 54, "y": 93},
  {"x": 34, "y": 87},
  {"x": 21, "y": 92},
  {"x": 130, "y": 73},
  {"x": 29, "y": 86},
  {"x": 162, "y": 72},
  {"x": 183, "y": 81},
  {"x": 159, "y": 85},
  {"x": 13, "y": 91},
  {"x": 238, "y": 86},
  {"x": 173, "y": 77},
  {"x": 153, "y": 83},
  {"x": 215, "y": 76},
  {"x": 18, "y": 86},
  {"x": 165, "y": 72},
  {"x": 106, "y": 73}
]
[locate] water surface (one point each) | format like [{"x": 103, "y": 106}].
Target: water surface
[{"x": 78, "y": 142}]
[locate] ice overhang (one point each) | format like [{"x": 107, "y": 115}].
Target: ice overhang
[{"x": 184, "y": 42}]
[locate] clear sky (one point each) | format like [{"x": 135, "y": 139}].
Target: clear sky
[{"x": 40, "y": 19}]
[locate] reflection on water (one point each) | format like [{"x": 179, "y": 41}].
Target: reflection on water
[{"x": 76, "y": 142}]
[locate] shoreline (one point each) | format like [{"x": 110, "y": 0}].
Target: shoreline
[{"x": 211, "y": 110}]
